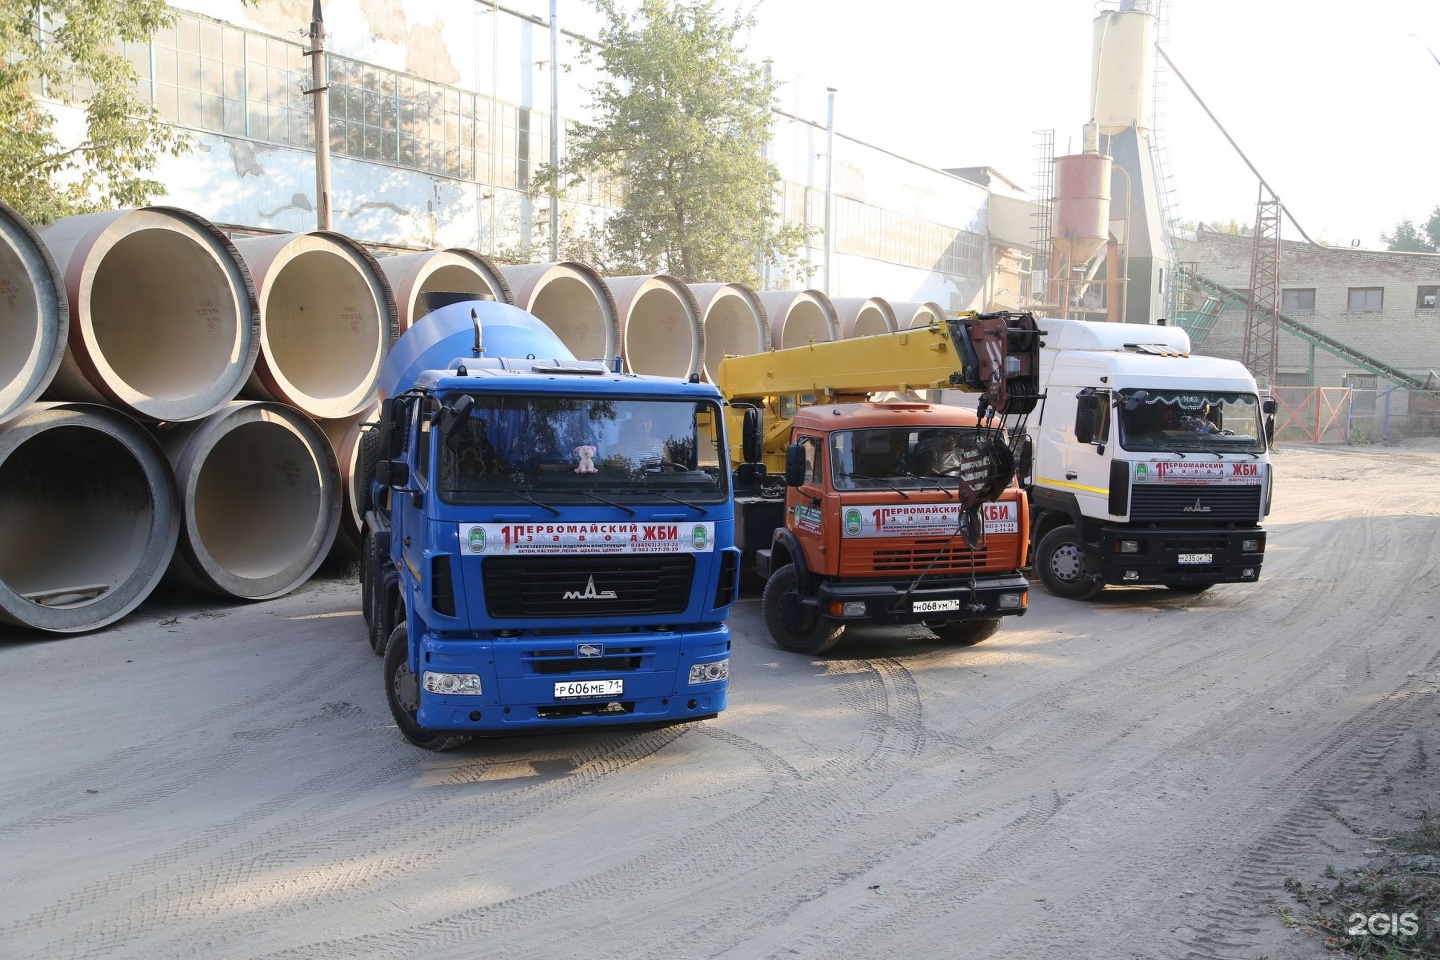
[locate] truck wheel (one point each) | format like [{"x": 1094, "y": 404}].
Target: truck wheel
[
  {"x": 402, "y": 689},
  {"x": 1065, "y": 566},
  {"x": 966, "y": 633},
  {"x": 795, "y": 626},
  {"x": 1189, "y": 587},
  {"x": 367, "y": 570}
]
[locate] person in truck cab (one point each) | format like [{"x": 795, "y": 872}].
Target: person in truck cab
[{"x": 937, "y": 453}]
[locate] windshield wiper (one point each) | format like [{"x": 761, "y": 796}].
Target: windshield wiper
[
  {"x": 885, "y": 480},
  {"x": 536, "y": 502},
  {"x": 927, "y": 481},
  {"x": 683, "y": 503},
  {"x": 618, "y": 506}
]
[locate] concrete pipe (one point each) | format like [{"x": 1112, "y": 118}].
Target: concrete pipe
[
  {"x": 573, "y": 301},
  {"x": 660, "y": 330},
  {"x": 861, "y": 317},
  {"x": 344, "y": 436},
  {"x": 734, "y": 321},
  {"x": 260, "y": 499},
  {"x": 163, "y": 316},
  {"x": 413, "y": 275},
  {"x": 917, "y": 313},
  {"x": 798, "y": 317},
  {"x": 88, "y": 517},
  {"x": 34, "y": 315},
  {"x": 327, "y": 322}
]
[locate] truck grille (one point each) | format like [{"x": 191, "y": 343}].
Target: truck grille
[
  {"x": 879, "y": 558},
  {"x": 587, "y": 588},
  {"x": 1179, "y": 504}
]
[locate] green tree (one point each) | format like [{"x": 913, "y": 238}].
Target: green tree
[
  {"x": 67, "y": 52},
  {"x": 681, "y": 118},
  {"x": 1407, "y": 238}
]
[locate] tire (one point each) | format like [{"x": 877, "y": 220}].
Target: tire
[
  {"x": 1189, "y": 587},
  {"x": 367, "y": 573},
  {"x": 966, "y": 633},
  {"x": 1066, "y": 567},
  {"x": 403, "y": 693},
  {"x": 795, "y": 626},
  {"x": 365, "y": 470}
]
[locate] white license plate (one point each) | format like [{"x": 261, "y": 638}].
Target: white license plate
[
  {"x": 1195, "y": 557},
  {"x": 572, "y": 689},
  {"x": 930, "y": 606}
]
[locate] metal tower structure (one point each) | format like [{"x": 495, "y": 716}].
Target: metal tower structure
[{"x": 1262, "y": 324}]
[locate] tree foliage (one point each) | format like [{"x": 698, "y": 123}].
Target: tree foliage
[
  {"x": 681, "y": 119},
  {"x": 66, "y": 52},
  {"x": 1411, "y": 239}
]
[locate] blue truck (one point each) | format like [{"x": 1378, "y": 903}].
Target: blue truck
[{"x": 528, "y": 564}]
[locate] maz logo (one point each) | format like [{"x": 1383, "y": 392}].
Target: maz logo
[
  {"x": 1197, "y": 508},
  {"x": 590, "y": 593}
]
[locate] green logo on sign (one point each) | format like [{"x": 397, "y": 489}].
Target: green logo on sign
[
  {"x": 477, "y": 539},
  {"x": 1141, "y": 473},
  {"x": 698, "y": 536},
  {"x": 853, "y": 523}
]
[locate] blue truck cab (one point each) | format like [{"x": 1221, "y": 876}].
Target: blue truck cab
[{"x": 549, "y": 544}]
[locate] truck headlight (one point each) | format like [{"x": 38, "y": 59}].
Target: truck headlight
[
  {"x": 1250, "y": 546},
  {"x": 1127, "y": 546},
  {"x": 711, "y": 672},
  {"x": 1010, "y": 601},
  {"x": 451, "y": 684}
]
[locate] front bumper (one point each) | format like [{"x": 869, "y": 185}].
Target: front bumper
[
  {"x": 519, "y": 677},
  {"x": 1002, "y": 595},
  {"x": 1179, "y": 556}
]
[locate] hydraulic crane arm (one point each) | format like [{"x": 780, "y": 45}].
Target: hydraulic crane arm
[{"x": 995, "y": 354}]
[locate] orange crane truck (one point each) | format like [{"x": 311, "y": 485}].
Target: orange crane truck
[{"x": 856, "y": 509}]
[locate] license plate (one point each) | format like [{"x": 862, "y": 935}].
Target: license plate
[
  {"x": 930, "y": 606},
  {"x": 1195, "y": 557},
  {"x": 573, "y": 689}
]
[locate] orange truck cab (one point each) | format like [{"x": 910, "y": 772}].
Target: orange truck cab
[{"x": 874, "y": 530}]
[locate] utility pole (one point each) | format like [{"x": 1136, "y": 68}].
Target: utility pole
[
  {"x": 321, "y": 94},
  {"x": 829, "y": 187},
  {"x": 554, "y": 133}
]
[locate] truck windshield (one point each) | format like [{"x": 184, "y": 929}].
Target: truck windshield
[
  {"x": 906, "y": 458},
  {"x": 1178, "y": 421},
  {"x": 573, "y": 449}
]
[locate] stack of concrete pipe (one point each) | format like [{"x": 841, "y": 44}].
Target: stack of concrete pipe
[{"x": 179, "y": 406}]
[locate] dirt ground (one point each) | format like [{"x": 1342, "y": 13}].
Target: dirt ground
[{"x": 1131, "y": 777}]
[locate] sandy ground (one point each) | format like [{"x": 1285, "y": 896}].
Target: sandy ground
[{"x": 1133, "y": 777}]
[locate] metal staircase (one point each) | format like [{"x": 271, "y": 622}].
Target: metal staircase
[{"x": 1227, "y": 297}]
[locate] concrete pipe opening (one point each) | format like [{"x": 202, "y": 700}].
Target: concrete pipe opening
[
  {"x": 88, "y": 517},
  {"x": 259, "y": 499},
  {"x": 660, "y": 325},
  {"x": 344, "y": 436},
  {"x": 573, "y": 301},
  {"x": 33, "y": 328},
  {"x": 798, "y": 317},
  {"x": 864, "y": 317},
  {"x": 163, "y": 315},
  {"x": 413, "y": 275},
  {"x": 917, "y": 313},
  {"x": 327, "y": 322},
  {"x": 734, "y": 321}
]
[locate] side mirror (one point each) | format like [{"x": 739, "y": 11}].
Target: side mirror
[
  {"x": 794, "y": 465},
  {"x": 1269, "y": 406},
  {"x": 752, "y": 435},
  {"x": 1269, "y": 430},
  {"x": 1086, "y": 407},
  {"x": 1024, "y": 453},
  {"x": 392, "y": 473},
  {"x": 392, "y": 427},
  {"x": 452, "y": 416}
]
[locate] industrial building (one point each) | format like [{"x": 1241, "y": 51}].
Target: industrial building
[{"x": 436, "y": 128}]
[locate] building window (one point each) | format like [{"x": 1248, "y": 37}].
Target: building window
[
  {"x": 1297, "y": 300},
  {"x": 1365, "y": 300},
  {"x": 1425, "y": 297}
]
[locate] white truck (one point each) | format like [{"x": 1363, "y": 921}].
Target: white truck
[{"x": 1146, "y": 465}]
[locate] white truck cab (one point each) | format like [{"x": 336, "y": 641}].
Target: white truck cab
[{"x": 1149, "y": 465}]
